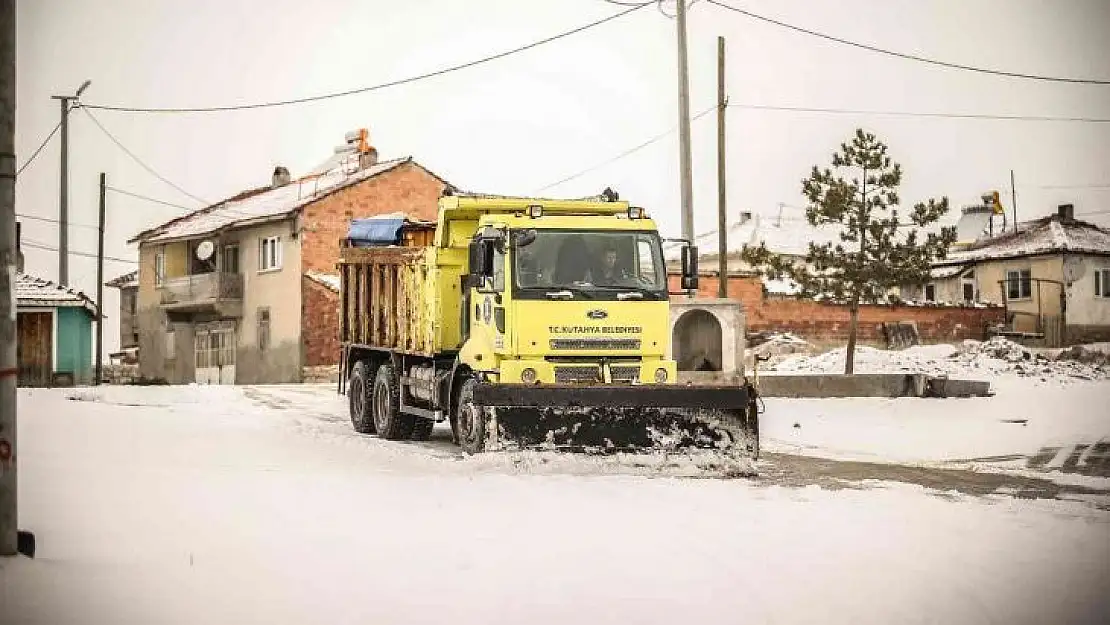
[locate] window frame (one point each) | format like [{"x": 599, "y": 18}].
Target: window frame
[
  {"x": 275, "y": 255},
  {"x": 225, "y": 256},
  {"x": 159, "y": 268},
  {"x": 1019, "y": 281},
  {"x": 1102, "y": 283},
  {"x": 930, "y": 297}
]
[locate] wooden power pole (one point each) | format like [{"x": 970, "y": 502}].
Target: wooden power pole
[
  {"x": 99, "y": 364},
  {"x": 9, "y": 368},
  {"x": 722, "y": 202}
]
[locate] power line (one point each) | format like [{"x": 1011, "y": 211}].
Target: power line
[
  {"x": 38, "y": 150},
  {"x": 53, "y": 221},
  {"x": 49, "y": 248},
  {"x": 911, "y": 57},
  {"x": 625, "y": 153},
  {"x": 394, "y": 83},
  {"x": 136, "y": 158},
  {"x": 1073, "y": 186},
  {"x": 1037, "y": 118},
  {"x": 147, "y": 199}
]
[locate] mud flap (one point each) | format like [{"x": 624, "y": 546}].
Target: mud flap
[{"x": 605, "y": 418}]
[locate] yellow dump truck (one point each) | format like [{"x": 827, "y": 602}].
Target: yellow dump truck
[{"x": 525, "y": 323}]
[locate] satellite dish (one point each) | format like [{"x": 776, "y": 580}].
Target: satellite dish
[
  {"x": 1074, "y": 268},
  {"x": 205, "y": 250}
]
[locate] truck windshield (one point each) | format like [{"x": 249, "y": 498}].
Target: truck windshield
[{"x": 594, "y": 264}]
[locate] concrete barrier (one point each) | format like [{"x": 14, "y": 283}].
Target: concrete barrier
[{"x": 869, "y": 385}]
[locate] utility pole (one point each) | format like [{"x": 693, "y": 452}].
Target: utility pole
[
  {"x": 1013, "y": 197},
  {"x": 722, "y": 213},
  {"x": 9, "y": 368},
  {"x": 684, "y": 128},
  {"x": 99, "y": 365},
  {"x": 63, "y": 198}
]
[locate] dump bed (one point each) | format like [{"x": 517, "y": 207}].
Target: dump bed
[{"x": 386, "y": 298}]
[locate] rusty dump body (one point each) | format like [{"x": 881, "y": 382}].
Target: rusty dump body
[{"x": 468, "y": 320}]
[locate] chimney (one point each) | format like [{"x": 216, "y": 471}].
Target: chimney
[
  {"x": 281, "y": 177},
  {"x": 18, "y": 248},
  {"x": 745, "y": 217},
  {"x": 368, "y": 157},
  {"x": 1066, "y": 212}
]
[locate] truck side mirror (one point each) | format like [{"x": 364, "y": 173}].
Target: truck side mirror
[
  {"x": 689, "y": 267},
  {"x": 479, "y": 265}
]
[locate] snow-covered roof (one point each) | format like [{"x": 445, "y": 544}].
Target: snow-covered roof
[
  {"x": 327, "y": 280},
  {"x": 126, "y": 280},
  {"x": 782, "y": 286},
  {"x": 268, "y": 204},
  {"x": 40, "y": 292},
  {"x": 1047, "y": 235},
  {"x": 946, "y": 271}
]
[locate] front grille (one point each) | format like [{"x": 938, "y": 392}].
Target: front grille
[
  {"x": 587, "y": 343},
  {"x": 592, "y": 374},
  {"x": 577, "y": 375},
  {"x": 624, "y": 373}
]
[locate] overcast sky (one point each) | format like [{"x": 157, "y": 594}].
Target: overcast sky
[{"x": 517, "y": 124}]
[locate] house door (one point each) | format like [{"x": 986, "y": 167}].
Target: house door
[
  {"x": 214, "y": 354},
  {"x": 34, "y": 350}
]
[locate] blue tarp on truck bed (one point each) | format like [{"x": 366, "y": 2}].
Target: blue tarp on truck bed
[{"x": 373, "y": 231}]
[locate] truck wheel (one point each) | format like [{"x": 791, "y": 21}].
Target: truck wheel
[
  {"x": 422, "y": 429},
  {"x": 388, "y": 419},
  {"x": 471, "y": 420},
  {"x": 358, "y": 399}
]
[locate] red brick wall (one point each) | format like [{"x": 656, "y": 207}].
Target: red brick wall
[
  {"x": 319, "y": 324},
  {"x": 828, "y": 323},
  {"x": 408, "y": 189}
]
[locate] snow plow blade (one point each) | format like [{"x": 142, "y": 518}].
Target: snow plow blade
[{"x": 612, "y": 417}]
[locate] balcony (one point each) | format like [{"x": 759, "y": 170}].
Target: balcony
[{"x": 212, "y": 293}]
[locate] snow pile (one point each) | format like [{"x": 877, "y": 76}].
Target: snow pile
[
  {"x": 972, "y": 359},
  {"x": 1002, "y": 356},
  {"x": 776, "y": 348}
]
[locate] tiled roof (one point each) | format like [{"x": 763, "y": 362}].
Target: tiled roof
[
  {"x": 33, "y": 291},
  {"x": 267, "y": 204},
  {"x": 126, "y": 280},
  {"x": 1047, "y": 235},
  {"x": 330, "y": 281}
]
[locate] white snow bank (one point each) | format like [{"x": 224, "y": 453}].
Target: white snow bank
[
  {"x": 187, "y": 514},
  {"x": 972, "y": 359}
]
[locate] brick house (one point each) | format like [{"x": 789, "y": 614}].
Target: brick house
[{"x": 244, "y": 291}]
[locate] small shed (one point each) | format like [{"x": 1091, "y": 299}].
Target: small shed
[{"x": 55, "y": 334}]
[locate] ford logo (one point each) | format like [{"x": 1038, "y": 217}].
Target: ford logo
[{"x": 597, "y": 313}]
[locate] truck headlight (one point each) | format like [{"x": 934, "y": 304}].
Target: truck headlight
[
  {"x": 660, "y": 376},
  {"x": 528, "y": 376}
]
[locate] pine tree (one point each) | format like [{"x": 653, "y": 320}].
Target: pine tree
[{"x": 877, "y": 250}]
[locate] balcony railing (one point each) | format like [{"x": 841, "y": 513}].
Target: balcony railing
[{"x": 200, "y": 289}]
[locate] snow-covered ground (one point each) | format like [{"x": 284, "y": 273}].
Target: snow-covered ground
[{"x": 259, "y": 505}]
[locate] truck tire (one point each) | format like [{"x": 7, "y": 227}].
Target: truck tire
[
  {"x": 471, "y": 420},
  {"x": 388, "y": 419},
  {"x": 422, "y": 429},
  {"x": 358, "y": 398}
]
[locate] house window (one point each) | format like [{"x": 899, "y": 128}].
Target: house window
[
  {"x": 263, "y": 328},
  {"x": 159, "y": 268},
  {"x": 1019, "y": 284},
  {"x": 230, "y": 261},
  {"x": 969, "y": 291},
  {"x": 1102, "y": 283},
  {"x": 930, "y": 292},
  {"x": 269, "y": 254}
]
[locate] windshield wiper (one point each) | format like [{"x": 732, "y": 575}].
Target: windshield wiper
[
  {"x": 630, "y": 295},
  {"x": 559, "y": 295}
]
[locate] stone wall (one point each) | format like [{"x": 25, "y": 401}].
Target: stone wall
[{"x": 319, "y": 324}]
